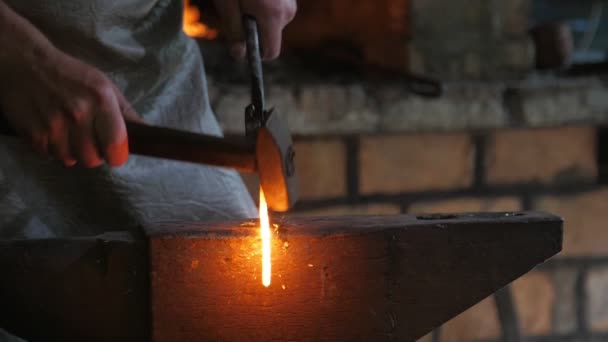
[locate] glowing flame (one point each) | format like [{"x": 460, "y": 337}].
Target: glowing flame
[
  {"x": 192, "y": 25},
  {"x": 266, "y": 240}
]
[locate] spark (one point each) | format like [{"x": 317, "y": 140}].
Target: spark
[{"x": 266, "y": 241}]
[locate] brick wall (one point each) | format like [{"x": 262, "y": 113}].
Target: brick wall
[
  {"x": 479, "y": 39},
  {"x": 553, "y": 169}
]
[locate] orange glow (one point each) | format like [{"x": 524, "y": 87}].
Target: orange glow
[
  {"x": 266, "y": 240},
  {"x": 192, "y": 25}
]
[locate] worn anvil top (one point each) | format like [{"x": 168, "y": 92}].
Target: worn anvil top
[{"x": 140, "y": 46}]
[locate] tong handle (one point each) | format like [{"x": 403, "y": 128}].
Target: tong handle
[{"x": 255, "y": 64}]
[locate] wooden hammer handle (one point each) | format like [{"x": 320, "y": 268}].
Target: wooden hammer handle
[
  {"x": 233, "y": 152},
  {"x": 153, "y": 141}
]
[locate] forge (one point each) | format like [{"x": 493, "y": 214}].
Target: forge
[{"x": 368, "y": 278}]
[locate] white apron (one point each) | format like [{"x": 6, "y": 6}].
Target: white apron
[{"x": 140, "y": 46}]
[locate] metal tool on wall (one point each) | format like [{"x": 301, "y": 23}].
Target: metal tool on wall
[
  {"x": 266, "y": 149},
  {"x": 351, "y": 59}
]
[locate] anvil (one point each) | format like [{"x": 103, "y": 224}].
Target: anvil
[{"x": 353, "y": 278}]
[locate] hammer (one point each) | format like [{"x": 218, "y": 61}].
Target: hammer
[{"x": 266, "y": 148}]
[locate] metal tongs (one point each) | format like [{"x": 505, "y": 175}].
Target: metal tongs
[
  {"x": 274, "y": 146},
  {"x": 255, "y": 113}
]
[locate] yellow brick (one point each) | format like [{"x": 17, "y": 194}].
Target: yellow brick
[
  {"x": 409, "y": 163},
  {"x": 555, "y": 155},
  {"x": 534, "y": 298},
  {"x": 597, "y": 305},
  {"x": 427, "y": 338},
  {"x": 477, "y": 323},
  {"x": 321, "y": 168}
]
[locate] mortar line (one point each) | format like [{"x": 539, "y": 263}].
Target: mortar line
[
  {"x": 573, "y": 262},
  {"x": 513, "y": 106},
  {"x": 479, "y": 166},
  {"x": 486, "y": 192},
  {"x": 602, "y": 154},
  {"x": 580, "y": 293},
  {"x": 507, "y": 315},
  {"x": 352, "y": 168},
  {"x": 436, "y": 334},
  {"x": 404, "y": 208},
  {"x": 527, "y": 202}
]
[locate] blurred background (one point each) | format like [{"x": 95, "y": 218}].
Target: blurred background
[{"x": 415, "y": 106}]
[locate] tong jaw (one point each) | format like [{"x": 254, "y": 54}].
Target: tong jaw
[{"x": 255, "y": 121}]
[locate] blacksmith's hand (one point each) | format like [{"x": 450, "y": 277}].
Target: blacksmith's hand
[
  {"x": 65, "y": 107},
  {"x": 272, "y": 17}
]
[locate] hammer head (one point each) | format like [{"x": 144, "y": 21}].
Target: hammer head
[{"x": 275, "y": 159}]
